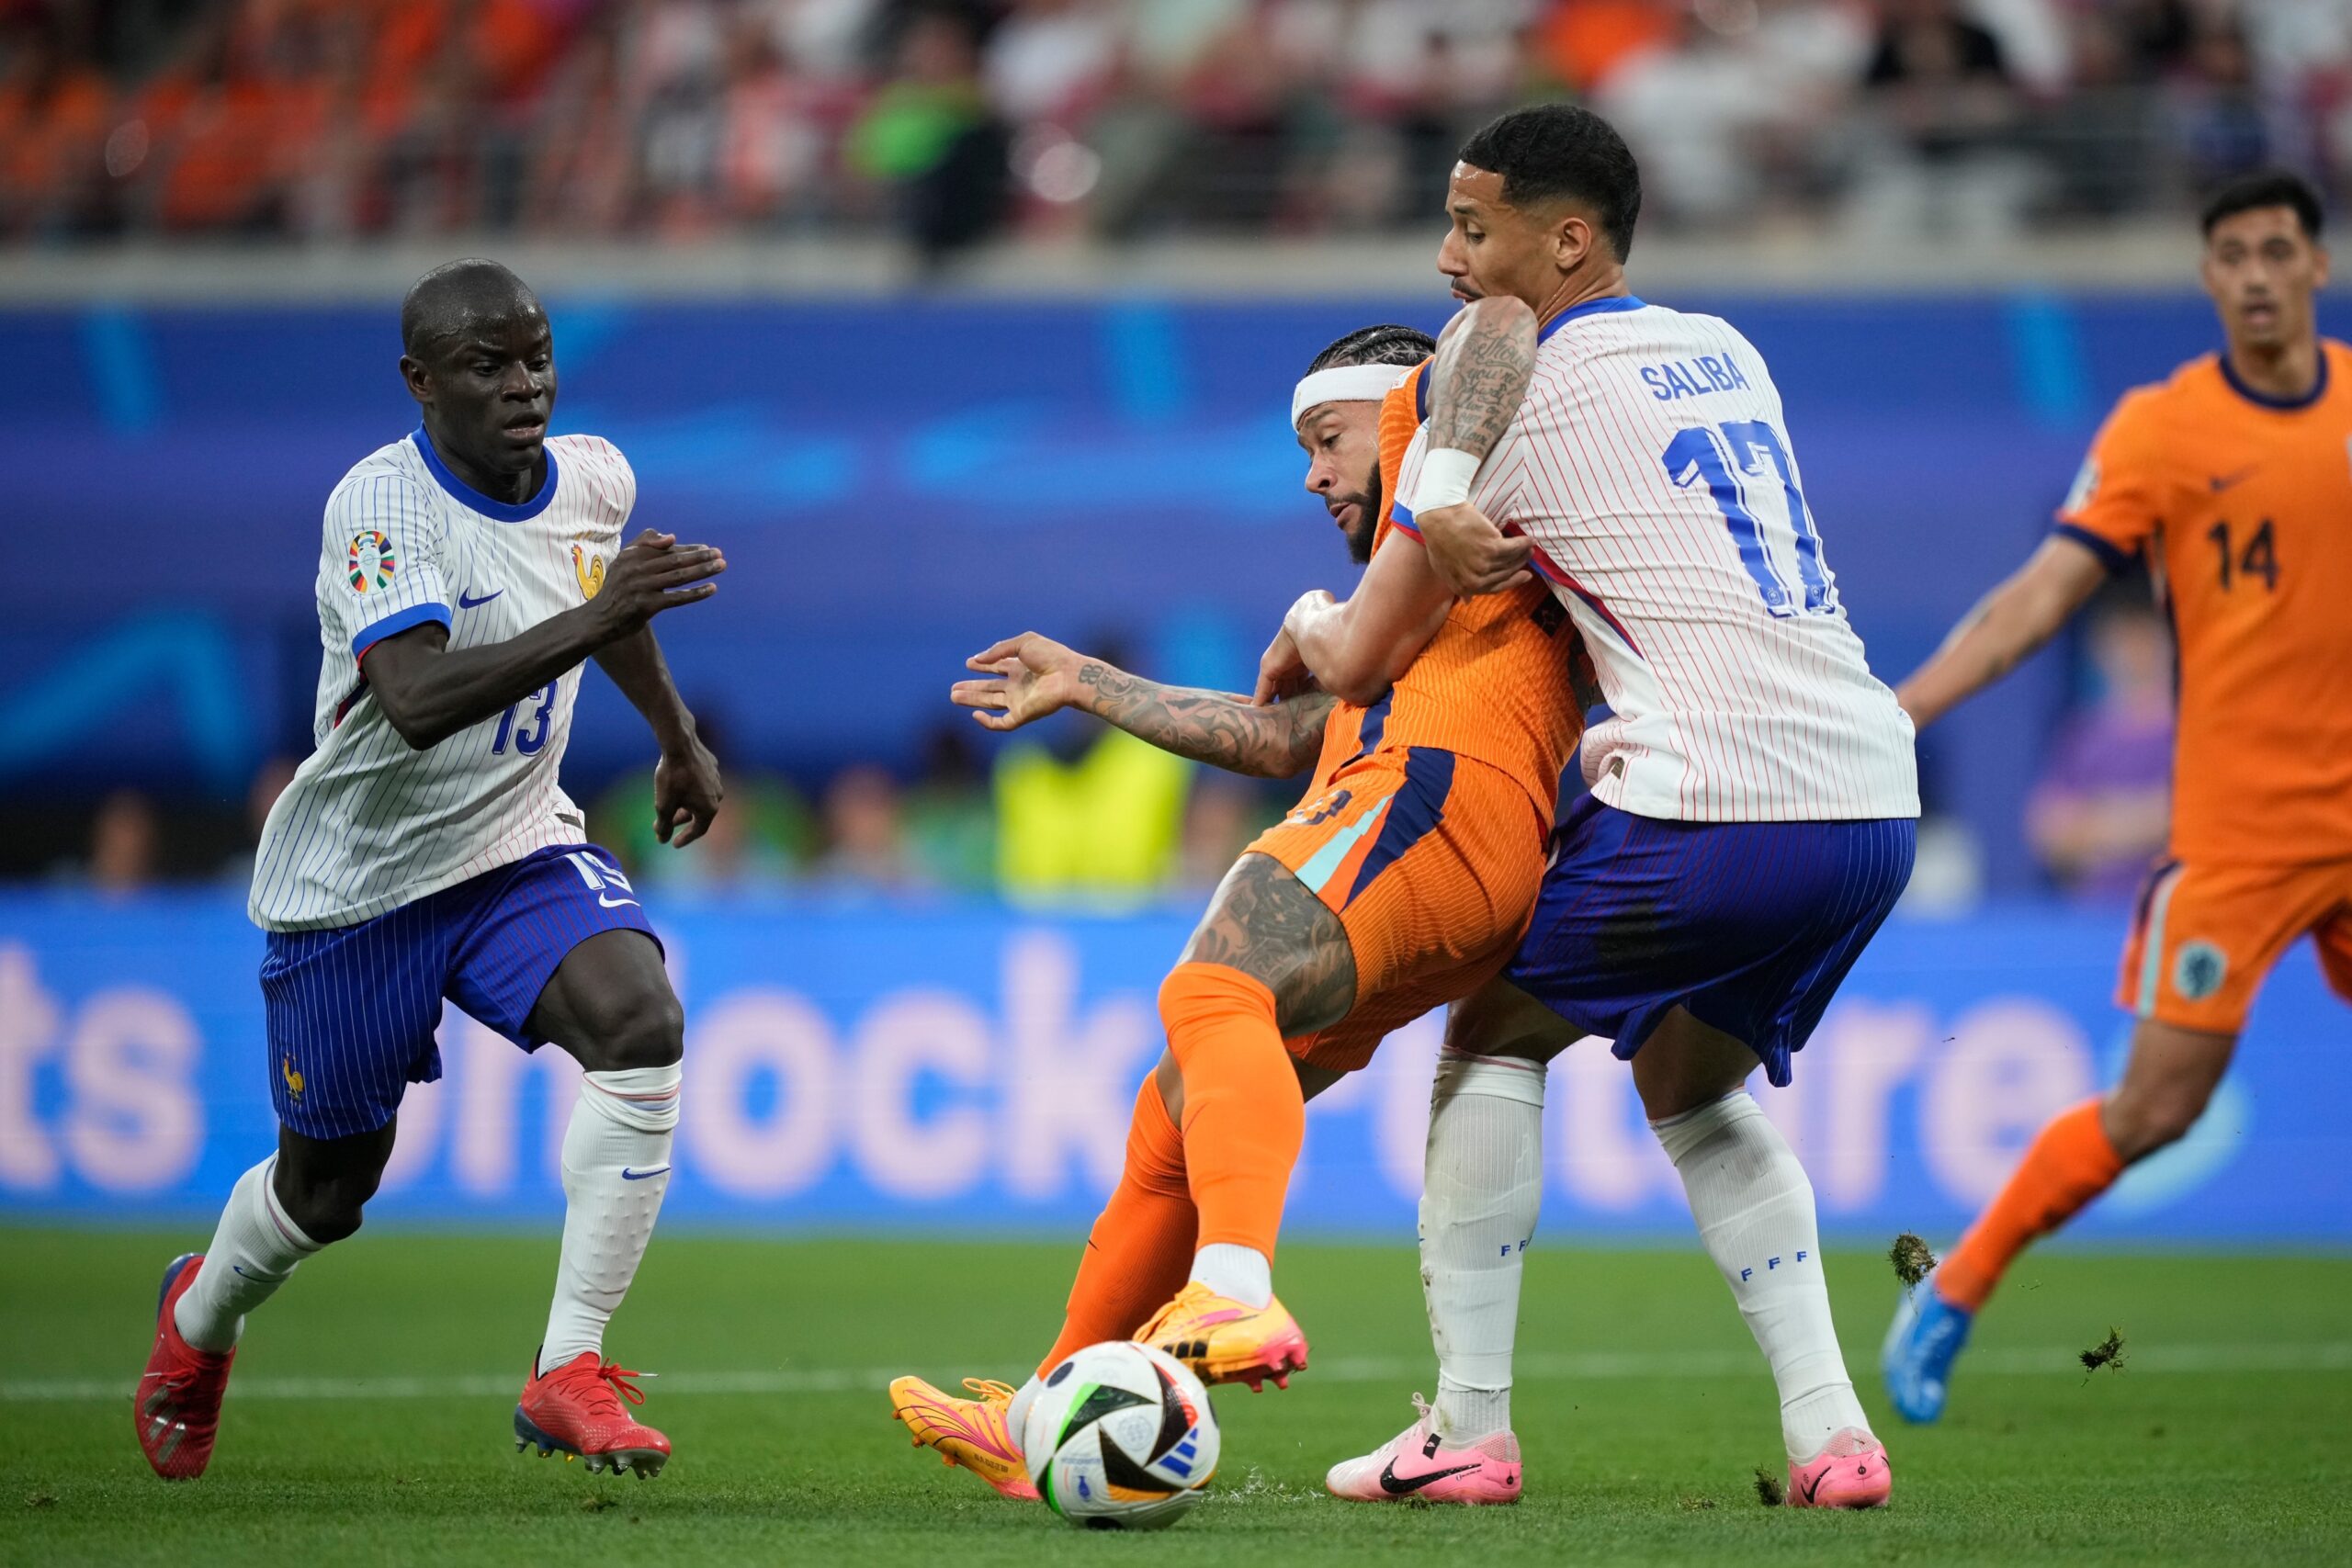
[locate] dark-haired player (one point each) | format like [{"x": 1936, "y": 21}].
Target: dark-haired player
[
  {"x": 2233, "y": 479},
  {"x": 1754, "y": 799},
  {"x": 425, "y": 850},
  {"x": 1401, "y": 884}
]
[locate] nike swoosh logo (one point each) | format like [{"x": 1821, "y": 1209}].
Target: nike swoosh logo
[
  {"x": 1405, "y": 1487},
  {"x": 609, "y": 902},
  {"x": 2223, "y": 481},
  {"x": 1813, "y": 1486},
  {"x": 466, "y": 602},
  {"x": 628, "y": 1175}
]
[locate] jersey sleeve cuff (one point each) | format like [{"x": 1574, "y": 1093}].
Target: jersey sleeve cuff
[
  {"x": 396, "y": 622},
  {"x": 1400, "y": 517},
  {"x": 2114, "y": 559}
]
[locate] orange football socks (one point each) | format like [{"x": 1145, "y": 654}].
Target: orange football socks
[
  {"x": 1244, "y": 1116},
  {"x": 2069, "y": 1164},
  {"x": 1141, "y": 1246}
]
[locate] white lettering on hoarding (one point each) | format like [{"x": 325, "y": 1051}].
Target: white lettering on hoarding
[
  {"x": 486, "y": 1076},
  {"x": 747, "y": 1034},
  {"x": 1603, "y": 1148},
  {"x": 2012, "y": 1065},
  {"x": 29, "y": 1020},
  {"x": 1863, "y": 1051},
  {"x": 1069, "y": 1081},
  {"x": 907, "y": 1036},
  {"x": 137, "y": 1125}
]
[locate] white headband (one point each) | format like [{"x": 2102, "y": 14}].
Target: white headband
[{"x": 1345, "y": 384}]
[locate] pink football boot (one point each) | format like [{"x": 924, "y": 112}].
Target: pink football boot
[
  {"x": 1851, "y": 1472},
  {"x": 1417, "y": 1466}
]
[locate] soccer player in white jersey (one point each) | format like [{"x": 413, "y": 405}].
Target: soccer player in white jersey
[
  {"x": 1754, "y": 803},
  {"x": 425, "y": 850}
]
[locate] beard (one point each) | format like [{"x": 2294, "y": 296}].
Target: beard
[{"x": 1367, "y": 528}]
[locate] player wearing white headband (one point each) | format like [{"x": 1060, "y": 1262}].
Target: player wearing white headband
[{"x": 1402, "y": 882}]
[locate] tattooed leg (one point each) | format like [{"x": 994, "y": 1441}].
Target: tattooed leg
[{"x": 1265, "y": 923}]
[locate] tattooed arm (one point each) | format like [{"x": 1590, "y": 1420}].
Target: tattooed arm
[
  {"x": 1028, "y": 677},
  {"x": 1485, "y": 361}
]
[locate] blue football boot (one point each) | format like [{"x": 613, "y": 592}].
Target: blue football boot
[{"x": 1921, "y": 1345}]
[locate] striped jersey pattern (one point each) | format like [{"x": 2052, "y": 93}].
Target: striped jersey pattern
[
  {"x": 1496, "y": 682},
  {"x": 1652, "y": 468},
  {"x": 367, "y": 823}
]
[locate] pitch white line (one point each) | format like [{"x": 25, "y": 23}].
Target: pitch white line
[{"x": 1590, "y": 1366}]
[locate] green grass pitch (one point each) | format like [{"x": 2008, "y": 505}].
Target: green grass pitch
[{"x": 369, "y": 1420}]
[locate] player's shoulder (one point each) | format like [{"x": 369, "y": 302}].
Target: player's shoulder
[
  {"x": 1601, "y": 335},
  {"x": 2337, "y": 356},
  {"x": 1409, "y": 399},
  {"x": 2181, "y": 413},
  {"x": 391, "y": 477},
  {"x": 598, "y": 465}
]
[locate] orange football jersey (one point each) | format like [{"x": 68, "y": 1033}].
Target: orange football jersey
[
  {"x": 2243, "y": 506},
  {"x": 1495, "y": 685}
]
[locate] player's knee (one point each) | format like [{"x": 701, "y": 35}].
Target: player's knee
[
  {"x": 328, "y": 1210},
  {"x": 648, "y": 1030}
]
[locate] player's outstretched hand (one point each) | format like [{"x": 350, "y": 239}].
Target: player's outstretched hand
[
  {"x": 1028, "y": 677},
  {"x": 1470, "y": 553},
  {"x": 651, "y": 573},
  {"x": 686, "y": 793},
  {"x": 1282, "y": 673}
]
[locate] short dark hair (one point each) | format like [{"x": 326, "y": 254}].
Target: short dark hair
[
  {"x": 2265, "y": 187},
  {"x": 444, "y": 300},
  {"x": 1387, "y": 344},
  {"x": 1551, "y": 150}
]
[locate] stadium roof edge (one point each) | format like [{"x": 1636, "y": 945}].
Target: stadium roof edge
[{"x": 2152, "y": 255}]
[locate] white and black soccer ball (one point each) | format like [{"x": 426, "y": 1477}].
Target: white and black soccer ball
[{"x": 1120, "y": 1437}]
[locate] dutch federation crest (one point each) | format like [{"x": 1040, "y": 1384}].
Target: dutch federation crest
[
  {"x": 2198, "y": 969},
  {"x": 370, "y": 560},
  {"x": 590, "y": 569}
]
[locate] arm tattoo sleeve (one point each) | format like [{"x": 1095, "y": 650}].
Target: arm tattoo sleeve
[
  {"x": 1210, "y": 726},
  {"x": 1480, "y": 379}
]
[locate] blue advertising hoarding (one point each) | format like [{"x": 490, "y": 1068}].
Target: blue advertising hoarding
[{"x": 968, "y": 1068}]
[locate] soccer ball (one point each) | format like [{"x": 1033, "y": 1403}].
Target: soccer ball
[{"x": 1121, "y": 1437}]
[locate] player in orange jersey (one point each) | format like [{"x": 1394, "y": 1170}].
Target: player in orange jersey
[
  {"x": 2233, "y": 478},
  {"x": 1402, "y": 882}
]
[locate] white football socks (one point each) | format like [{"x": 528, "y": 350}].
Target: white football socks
[
  {"x": 1231, "y": 1269},
  {"x": 252, "y": 1251},
  {"x": 615, "y": 1169},
  {"x": 1754, "y": 1205},
  {"x": 1481, "y": 1190}
]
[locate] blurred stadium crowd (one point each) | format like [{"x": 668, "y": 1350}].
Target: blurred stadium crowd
[
  {"x": 1074, "y": 818},
  {"x": 956, "y": 120}
]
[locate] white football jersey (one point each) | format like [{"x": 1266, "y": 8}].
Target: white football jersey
[
  {"x": 367, "y": 823},
  {"x": 1652, "y": 468}
]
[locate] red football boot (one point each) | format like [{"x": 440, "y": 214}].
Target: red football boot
[
  {"x": 576, "y": 1407},
  {"x": 177, "y": 1411}
]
